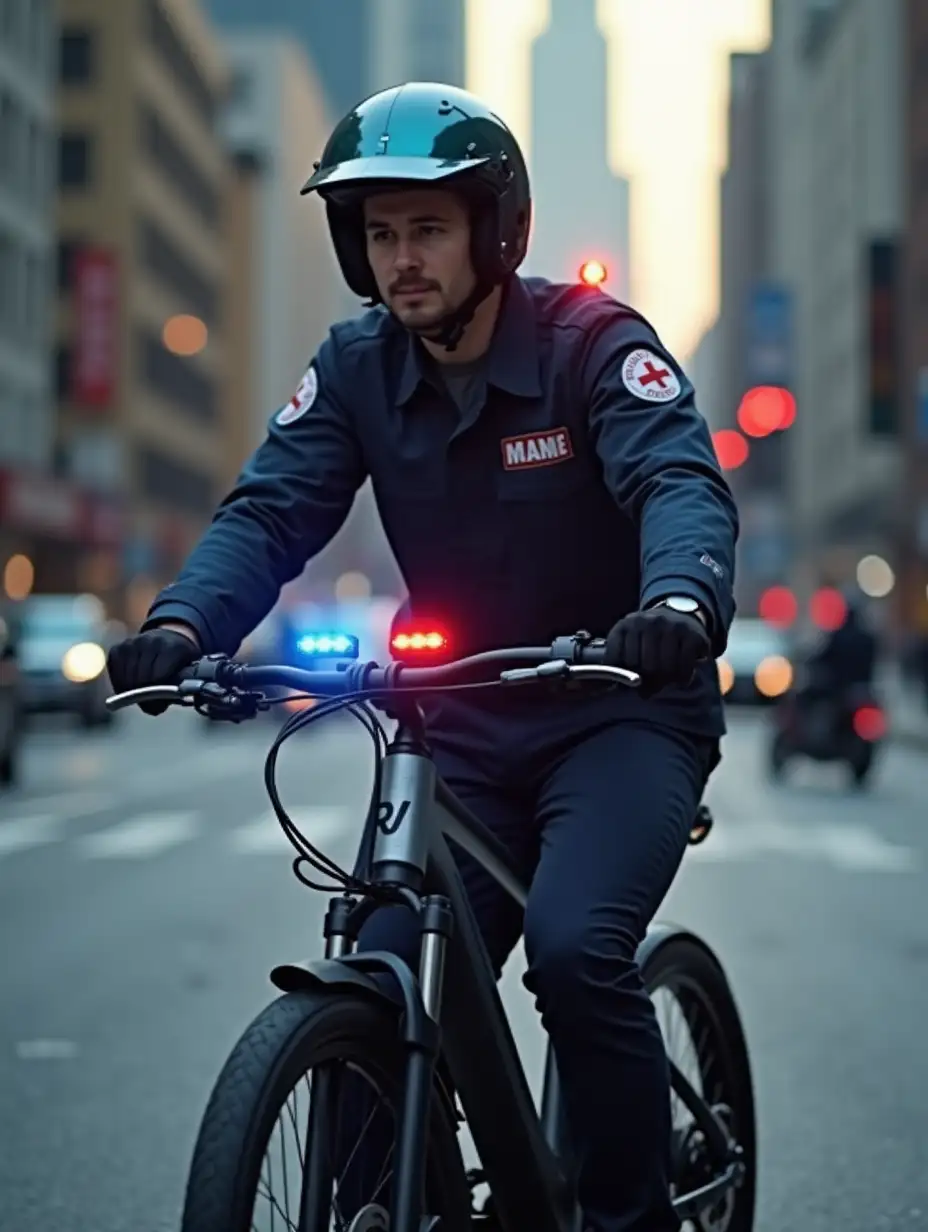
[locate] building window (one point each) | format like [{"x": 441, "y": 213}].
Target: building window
[
  {"x": 178, "y": 167},
  {"x": 167, "y": 263},
  {"x": 179, "y": 62},
  {"x": 176, "y": 379},
  {"x": 62, "y": 375},
  {"x": 167, "y": 482},
  {"x": 74, "y": 159},
  {"x": 9, "y": 116},
  {"x": 66, "y": 252},
  {"x": 9, "y": 285},
  {"x": 76, "y": 49}
]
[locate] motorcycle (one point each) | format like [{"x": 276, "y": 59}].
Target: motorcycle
[{"x": 826, "y": 726}]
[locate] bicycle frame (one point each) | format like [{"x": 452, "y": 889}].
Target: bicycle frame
[{"x": 454, "y": 1008}]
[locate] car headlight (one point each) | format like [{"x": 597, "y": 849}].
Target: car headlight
[
  {"x": 83, "y": 662},
  {"x": 726, "y": 675},
  {"x": 774, "y": 676}
]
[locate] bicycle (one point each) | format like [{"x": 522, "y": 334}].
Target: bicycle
[{"x": 436, "y": 1043}]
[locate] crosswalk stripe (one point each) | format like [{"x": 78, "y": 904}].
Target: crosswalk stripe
[
  {"x": 264, "y": 835},
  {"x": 847, "y": 847},
  {"x": 25, "y": 832},
  {"x": 145, "y": 835}
]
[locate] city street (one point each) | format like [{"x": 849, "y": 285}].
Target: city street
[{"x": 145, "y": 893}]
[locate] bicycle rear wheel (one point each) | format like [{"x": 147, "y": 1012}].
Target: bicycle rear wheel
[
  {"x": 704, "y": 1037},
  {"x": 240, "y": 1152}
]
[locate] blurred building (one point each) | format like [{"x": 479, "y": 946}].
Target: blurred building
[
  {"x": 836, "y": 199},
  {"x": 334, "y": 37},
  {"x": 276, "y": 121},
  {"x": 913, "y": 545},
  {"x": 570, "y": 149},
  {"x": 754, "y": 333},
  {"x": 143, "y": 363},
  {"x": 37, "y": 514},
  {"x": 704, "y": 368},
  {"x": 415, "y": 40}
]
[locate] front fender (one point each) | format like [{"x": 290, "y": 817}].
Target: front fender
[{"x": 331, "y": 974}]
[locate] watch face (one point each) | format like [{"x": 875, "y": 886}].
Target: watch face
[{"x": 681, "y": 604}]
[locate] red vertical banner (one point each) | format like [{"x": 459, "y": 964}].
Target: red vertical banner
[{"x": 95, "y": 358}]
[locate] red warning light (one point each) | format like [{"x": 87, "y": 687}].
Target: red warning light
[
  {"x": 593, "y": 273},
  {"x": 731, "y": 449},
  {"x": 828, "y": 609},
  {"x": 426, "y": 641},
  {"x": 778, "y": 606}
]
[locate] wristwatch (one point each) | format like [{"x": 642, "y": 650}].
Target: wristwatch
[{"x": 683, "y": 603}]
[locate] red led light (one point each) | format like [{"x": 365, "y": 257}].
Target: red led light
[{"x": 421, "y": 640}]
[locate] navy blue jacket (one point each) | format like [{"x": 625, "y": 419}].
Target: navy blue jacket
[{"x": 584, "y": 487}]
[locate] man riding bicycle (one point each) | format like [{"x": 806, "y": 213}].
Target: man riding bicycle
[{"x": 539, "y": 465}]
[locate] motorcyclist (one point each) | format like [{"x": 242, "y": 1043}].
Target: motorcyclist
[
  {"x": 540, "y": 467},
  {"x": 845, "y": 660}
]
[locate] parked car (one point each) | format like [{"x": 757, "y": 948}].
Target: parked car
[
  {"x": 11, "y": 716},
  {"x": 64, "y": 640},
  {"x": 757, "y": 667}
]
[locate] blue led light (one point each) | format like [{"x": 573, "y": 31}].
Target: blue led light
[{"x": 324, "y": 645}]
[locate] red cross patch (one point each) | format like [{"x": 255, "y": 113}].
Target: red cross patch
[{"x": 649, "y": 377}]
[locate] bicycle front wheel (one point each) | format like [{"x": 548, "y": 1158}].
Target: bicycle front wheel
[{"x": 254, "y": 1159}]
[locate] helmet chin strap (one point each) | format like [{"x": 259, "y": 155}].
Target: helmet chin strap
[{"x": 449, "y": 331}]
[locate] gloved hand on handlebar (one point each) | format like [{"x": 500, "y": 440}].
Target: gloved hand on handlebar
[
  {"x": 157, "y": 656},
  {"x": 662, "y": 645}
]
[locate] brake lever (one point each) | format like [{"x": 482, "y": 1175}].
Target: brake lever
[
  {"x": 224, "y": 705},
  {"x": 560, "y": 669}
]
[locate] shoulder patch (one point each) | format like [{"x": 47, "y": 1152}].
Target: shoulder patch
[
  {"x": 649, "y": 377},
  {"x": 302, "y": 400}
]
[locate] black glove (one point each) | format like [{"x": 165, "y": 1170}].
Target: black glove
[
  {"x": 662, "y": 645},
  {"x": 157, "y": 656}
]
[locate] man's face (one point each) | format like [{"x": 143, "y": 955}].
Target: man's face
[{"x": 418, "y": 245}]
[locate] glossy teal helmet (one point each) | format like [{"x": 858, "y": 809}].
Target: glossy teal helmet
[{"x": 424, "y": 133}]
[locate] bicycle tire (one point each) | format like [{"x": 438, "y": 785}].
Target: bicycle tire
[
  {"x": 683, "y": 959},
  {"x": 285, "y": 1041}
]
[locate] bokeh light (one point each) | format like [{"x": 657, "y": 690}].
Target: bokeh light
[
  {"x": 731, "y": 449},
  {"x": 765, "y": 409},
  {"x": 352, "y": 585},
  {"x": 18, "y": 577},
  {"x": 778, "y": 606},
  {"x": 774, "y": 676},
  {"x": 184, "y": 334},
  {"x": 875, "y": 577},
  {"x": 828, "y": 609},
  {"x": 593, "y": 273}
]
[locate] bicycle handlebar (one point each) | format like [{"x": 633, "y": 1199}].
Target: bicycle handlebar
[{"x": 221, "y": 682}]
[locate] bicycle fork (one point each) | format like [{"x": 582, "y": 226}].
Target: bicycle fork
[{"x": 421, "y": 1040}]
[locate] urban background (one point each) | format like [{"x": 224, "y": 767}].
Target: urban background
[
  {"x": 163, "y": 284},
  {"x": 752, "y": 175}
]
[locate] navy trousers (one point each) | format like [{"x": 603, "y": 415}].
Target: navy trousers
[{"x": 597, "y": 817}]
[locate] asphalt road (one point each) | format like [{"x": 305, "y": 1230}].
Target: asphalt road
[{"x": 144, "y": 896}]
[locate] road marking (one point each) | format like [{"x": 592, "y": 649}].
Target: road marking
[
  {"x": 67, "y": 804},
  {"x": 848, "y": 847},
  {"x": 857, "y": 848},
  {"x": 146, "y": 835},
  {"x": 25, "y": 832},
  {"x": 46, "y": 1050},
  {"x": 264, "y": 835}
]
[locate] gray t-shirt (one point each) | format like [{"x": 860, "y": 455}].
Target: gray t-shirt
[{"x": 465, "y": 383}]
